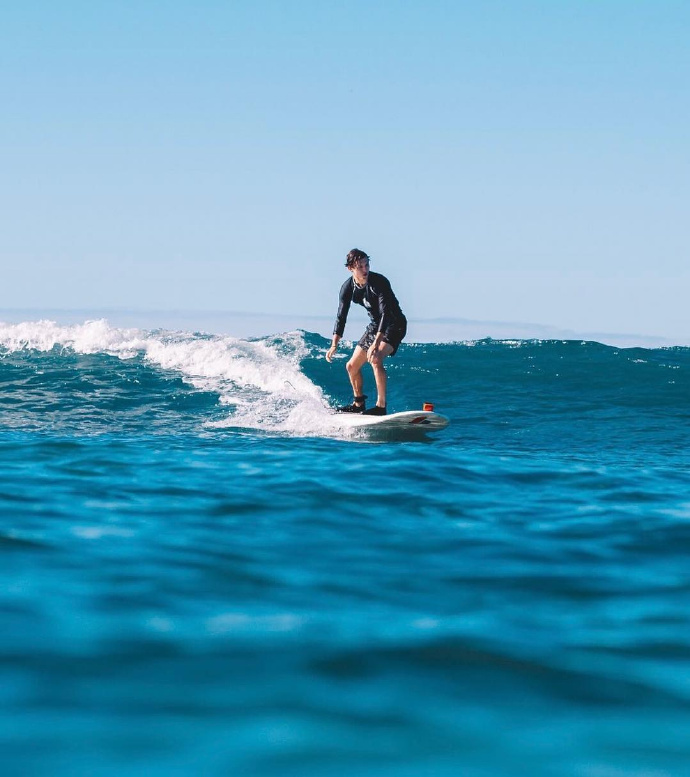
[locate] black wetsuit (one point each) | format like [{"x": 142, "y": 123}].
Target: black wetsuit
[{"x": 380, "y": 303}]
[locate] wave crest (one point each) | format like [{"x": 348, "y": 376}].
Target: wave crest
[{"x": 260, "y": 379}]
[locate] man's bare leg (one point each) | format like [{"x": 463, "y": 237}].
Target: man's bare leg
[
  {"x": 384, "y": 349},
  {"x": 354, "y": 370}
]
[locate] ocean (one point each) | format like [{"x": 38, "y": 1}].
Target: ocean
[{"x": 204, "y": 573}]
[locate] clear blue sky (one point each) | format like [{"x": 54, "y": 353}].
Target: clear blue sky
[{"x": 520, "y": 161}]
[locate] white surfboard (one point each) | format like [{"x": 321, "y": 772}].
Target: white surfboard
[{"x": 422, "y": 421}]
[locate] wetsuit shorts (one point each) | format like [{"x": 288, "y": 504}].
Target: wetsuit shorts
[{"x": 391, "y": 336}]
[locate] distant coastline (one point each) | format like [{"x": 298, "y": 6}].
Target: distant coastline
[{"x": 243, "y": 324}]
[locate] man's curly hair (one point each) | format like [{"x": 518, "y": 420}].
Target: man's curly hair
[{"x": 355, "y": 256}]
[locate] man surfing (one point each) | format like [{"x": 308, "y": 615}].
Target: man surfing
[{"x": 380, "y": 339}]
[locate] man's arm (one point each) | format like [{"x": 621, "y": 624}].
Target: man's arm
[
  {"x": 344, "y": 301},
  {"x": 385, "y": 298}
]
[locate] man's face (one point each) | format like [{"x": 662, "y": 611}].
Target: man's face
[{"x": 360, "y": 271}]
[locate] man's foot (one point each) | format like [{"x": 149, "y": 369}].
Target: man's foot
[
  {"x": 358, "y": 406},
  {"x": 376, "y": 410}
]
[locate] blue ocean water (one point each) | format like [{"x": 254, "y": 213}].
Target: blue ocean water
[{"x": 203, "y": 573}]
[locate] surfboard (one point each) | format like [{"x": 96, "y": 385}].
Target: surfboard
[{"x": 422, "y": 421}]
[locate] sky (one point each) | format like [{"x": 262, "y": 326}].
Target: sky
[{"x": 518, "y": 161}]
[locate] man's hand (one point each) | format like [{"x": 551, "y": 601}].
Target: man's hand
[
  {"x": 371, "y": 351},
  {"x": 330, "y": 353}
]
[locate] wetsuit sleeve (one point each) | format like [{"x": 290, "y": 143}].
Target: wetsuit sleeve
[
  {"x": 386, "y": 304},
  {"x": 344, "y": 303}
]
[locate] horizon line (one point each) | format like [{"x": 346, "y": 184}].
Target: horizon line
[{"x": 555, "y": 331}]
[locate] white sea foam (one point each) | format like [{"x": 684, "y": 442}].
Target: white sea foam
[{"x": 259, "y": 380}]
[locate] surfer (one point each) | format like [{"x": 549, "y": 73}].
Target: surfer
[{"x": 380, "y": 339}]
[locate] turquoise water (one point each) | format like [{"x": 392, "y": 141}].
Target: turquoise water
[{"x": 202, "y": 573}]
